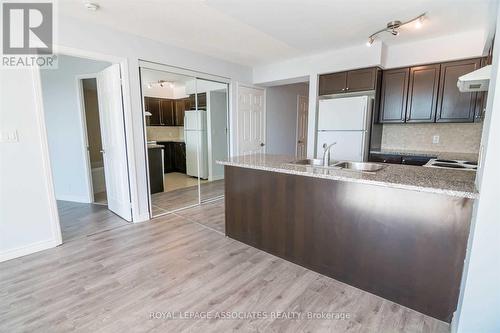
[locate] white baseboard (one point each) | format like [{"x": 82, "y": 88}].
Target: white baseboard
[
  {"x": 28, "y": 249},
  {"x": 73, "y": 198}
]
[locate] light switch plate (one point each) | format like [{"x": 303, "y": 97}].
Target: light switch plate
[
  {"x": 9, "y": 136},
  {"x": 435, "y": 139}
]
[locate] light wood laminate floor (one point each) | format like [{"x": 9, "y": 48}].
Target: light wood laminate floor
[{"x": 111, "y": 280}]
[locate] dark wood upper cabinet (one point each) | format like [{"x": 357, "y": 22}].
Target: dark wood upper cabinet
[
  {"x": 202, "y": 101},
  {"x": 350, "y": 81},
  {"x": 152, "y": 105},
  {"x": 423, "y": 93},
  {"x": 334, "y": 83},
  {"x": 362, "y": 79},
  {"x": 167, "y": 112},
  {"x": 180, "y": 108},
  {"x": 453, "y": 105},
  {"x": 393, "y": 96}
]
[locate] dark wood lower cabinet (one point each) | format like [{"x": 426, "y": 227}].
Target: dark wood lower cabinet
[
  {"x": 405, "y": 246},
  {"x": 155, "y": 162},
  {"x": 174, "y": 156},
  {"x": 180, "y": 156}
]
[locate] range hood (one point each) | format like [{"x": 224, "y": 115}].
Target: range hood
[{"x": 479, "y": 80}]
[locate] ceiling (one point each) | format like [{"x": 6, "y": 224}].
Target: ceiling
[{"x": 252, "y": 32}]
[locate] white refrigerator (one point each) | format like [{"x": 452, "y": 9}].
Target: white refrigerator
[
  {"x": 346, "y": 121},
  {"x": 195, "y": 137}
]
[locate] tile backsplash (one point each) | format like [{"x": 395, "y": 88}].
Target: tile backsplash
[
  {"x": 456, "y": 138},
  {"x": 164, "y": 133}
]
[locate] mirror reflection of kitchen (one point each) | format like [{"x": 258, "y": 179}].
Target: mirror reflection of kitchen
[{"x": 186, "y": 130}]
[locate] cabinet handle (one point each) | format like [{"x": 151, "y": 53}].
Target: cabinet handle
[
  {"x": 347, "y": 88},
  {"x": 343, "y": 89}
]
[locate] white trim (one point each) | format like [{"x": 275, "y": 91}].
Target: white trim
[
  {"x": 28, "y": 249},
  {"x": 182, "y": 71},
  {"x": 47, "y": 170},
  {"x": 85, "y": 140}
]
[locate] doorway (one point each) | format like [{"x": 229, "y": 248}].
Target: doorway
[
  {"x": 89, "y": 100},
  {"x": 186, "y": 133},
  {"x": 83, "y": 111},
  {"x": 302, "y": 119}
]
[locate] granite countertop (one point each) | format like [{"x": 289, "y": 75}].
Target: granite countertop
[
  {"x": 171, "y": 140},
  {"x": 152, "y": 145},
  {"x": 471, "y": 157},
  {"x": 456, "y": 183}
]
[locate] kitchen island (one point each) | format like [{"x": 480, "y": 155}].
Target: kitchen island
[{"x": 400, "y": 233}]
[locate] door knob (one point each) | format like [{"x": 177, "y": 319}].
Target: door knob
[
  {"x": 300, "y": 141},
  {"x": 262, "y": 144},
  {"x": 102, "y": 151}
]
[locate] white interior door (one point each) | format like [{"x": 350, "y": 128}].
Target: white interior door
[
  {"x": 251, "y": 121},
  {"x": 113, "y": 141},
  {"x": 302, "y": 113}
]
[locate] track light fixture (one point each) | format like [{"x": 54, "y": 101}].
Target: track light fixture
[{"x": 393, "y": 28}]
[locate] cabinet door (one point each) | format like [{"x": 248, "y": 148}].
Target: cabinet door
[
  {"x": 394, "y": 95},
  {"x": 180, "y": 156},
  {"x": 362, "y": 79},
  {"x": 168, "y": 157},
  {"x": 192, "y": 102},
  {"x": 385, "y": 158},
  {"x": 167, "y": 112},
  {"x": 422, "y": 94},
  {"x": 179, "y": 112},
  {"x": 453, "y": 105},
  {"x": 202, "y": 101},
  {"x": 334, "y": 83},
  {"x": 187, "y": 103},
  {"x": 153, "y": 106}
]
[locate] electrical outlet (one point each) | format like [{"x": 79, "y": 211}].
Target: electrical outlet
[{"x": 435, "y": 139}]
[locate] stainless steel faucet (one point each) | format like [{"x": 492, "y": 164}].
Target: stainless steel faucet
[{"x": 326, "y": 153}]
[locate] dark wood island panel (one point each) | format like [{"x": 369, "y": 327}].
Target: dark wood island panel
[{"x": 403, "y": 245}]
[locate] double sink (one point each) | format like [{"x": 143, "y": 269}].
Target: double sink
[{"x": 346, "y": 165}]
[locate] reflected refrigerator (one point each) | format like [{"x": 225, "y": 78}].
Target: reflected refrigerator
[
  {"x": 195, "y": 137},
  {"x": 346, "y": 121}
]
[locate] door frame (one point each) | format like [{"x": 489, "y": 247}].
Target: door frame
[
  {"x": 236, "y": 114},
  {"x": 151, "y": 65},
  {"x": 127, "y": 110},
  {"x": 297, "y": 127},
  {"x": 85, "y": 139}
]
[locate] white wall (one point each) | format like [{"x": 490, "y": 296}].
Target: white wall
[
  {"x": 463, "y": 45},
  {"x": 451, "y": 47},
  {"x": 28, "y": 216},
  {"x": 281, "y": 117},
  {"x": 64, "y": 126},
  {"x": 79, "y": 35},
  {"x": 479, "y": 302}
]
